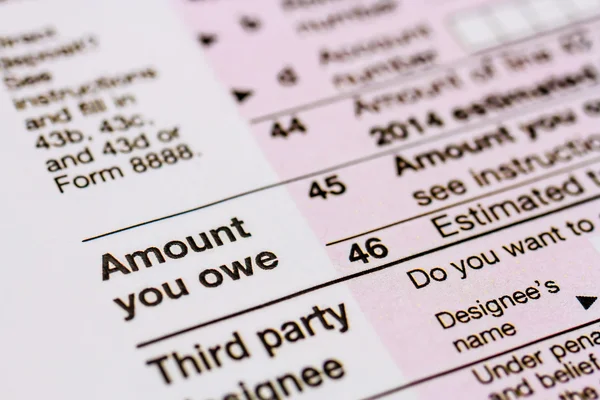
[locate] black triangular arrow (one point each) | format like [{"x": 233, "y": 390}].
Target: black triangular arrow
[
  {"x": 586, "y": 301},
  {"x": 207, "y": 39},
  {"x": 241, "y": 95}
]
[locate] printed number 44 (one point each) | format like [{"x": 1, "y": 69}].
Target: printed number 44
[{"x": 296, "y": 125}]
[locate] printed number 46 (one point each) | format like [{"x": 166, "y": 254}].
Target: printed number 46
[
  {"x": 331, "y": 186},
  {"x": 373, "y": 248}
]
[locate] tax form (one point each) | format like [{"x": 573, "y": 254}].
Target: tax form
[{"x": 300, "y": 199}]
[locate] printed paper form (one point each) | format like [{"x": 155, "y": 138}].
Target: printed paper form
[{"x": 402, "y": 215}]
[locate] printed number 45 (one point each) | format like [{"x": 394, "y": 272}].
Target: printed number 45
[{"x": 331, "y": 185}]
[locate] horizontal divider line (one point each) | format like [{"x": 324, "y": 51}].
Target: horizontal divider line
[
  {"x": 460, "y": 203},
  {"x": 473, "y": 363},
  {"x": 357, "y": 275},
  {"x": 410, "y": 76},
  {"x": 540, "y": 104}
]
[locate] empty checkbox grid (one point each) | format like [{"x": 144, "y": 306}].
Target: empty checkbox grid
[{"x": 509, "y": 20}]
